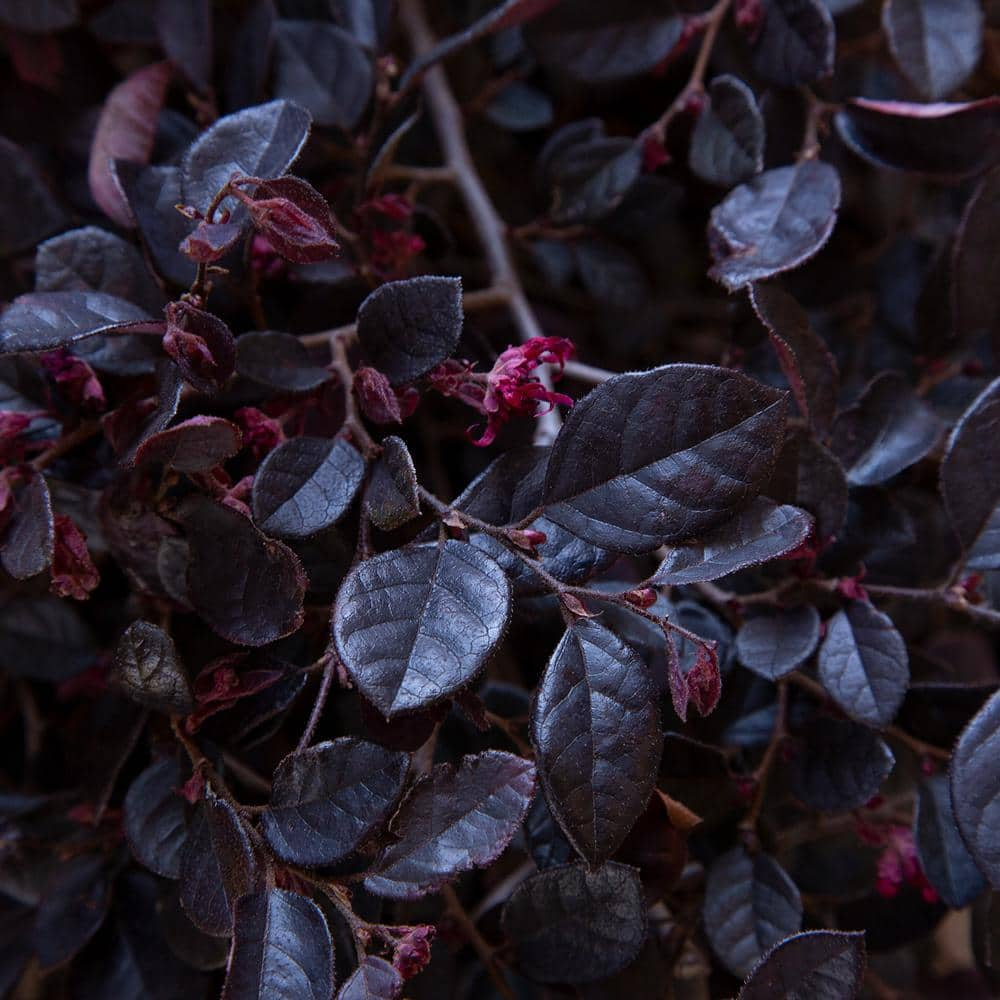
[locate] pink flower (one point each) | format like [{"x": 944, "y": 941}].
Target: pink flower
[
  {"x": 898, "y": 863},
  {"x": 75, "y": 378},
  {"x": 261, "y": 433}
]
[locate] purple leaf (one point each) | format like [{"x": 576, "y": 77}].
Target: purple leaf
[
  {"x": 30, "y": 211},
  {"x": 660, "y": 456},
  {"x": 571, "y": 925},
  {"x": 155, "y": 818},
  {"x": 391, "y": 499},
  {"x": 414, "y": 625},
  {"x": 305, "y": 485},
  {"x": 727, "y": 145},
  {"x": 773, "y": 223},
  {"x": 863, "y": 664},
  {"x": 210, "y": 241},
  {"x": 796, "y": 42},
  {"x": 595, "y": 725},
  {"x": 775, "y": 643},
  {"x": 809, "y": 475},
  {"x": 821, "y": 965},
  {"x": 453, "y": 821},
  {"x": 125, "y": 131},
  {"x": 698, "y": 682},
  {"x": 202, "y": 346},
  {"x": 194, "y": 445},
  {"x": 975, "y": 295},
  {"x": 26, "y": 544},
  {"x": 373, "y": 979},
  {"x": 278, "y": 361},
  {"x": 327, "y": 799},
  {"x": 150, "y": 671}
]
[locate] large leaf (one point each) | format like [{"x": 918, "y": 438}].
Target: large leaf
[
  {"x": 773, "y": 223},
  {"x": 936, "y": 43},
  {"x": 975, "y": 295},
  {"x": 863, "y": 664},
  {"x": 247, "y": 587},
  {"x": 887, "y": 430},
  {"x": 572, "y": 925},
  {"x": 406, "y": 328},
  {"x": 30, "y": 212},
  {"x": 154, "y": 817},
  {"x": 796, "y": 42},
  {"x": 326, "y": 799},
  {"x": 758, "y": 534},
  {"x": 975, "y": 788},
  {"x": 948, "y": 141},
  {"x": 750, "y": 905},
  {"x": 820, "y": 965},
  {"x": 281, "y": 949},
  {"x": 727, "y": 145},
  {"x": 596, "y": 730},
  {"x": 452, "y": 821},
  {"x": 150, "y": 671},
  {"x": 305, "y": 485},
  {"x": 660, "y": 456},
  {"x": 774, "y": 643},
  {"x": 414, "y": 626}
]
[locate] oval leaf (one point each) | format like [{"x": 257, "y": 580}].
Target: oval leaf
[
  {"x": 774, "y": 644},
  {"x": 28, "y": 539},
  {"x": 150, "y": 671},
  {"x": 278, "y": 361},
  {"x": 155, "y": 820},
  {"x": 373, "y": 979},
  {"x": 727, "y": 145},
  {"x": 820, "y": 965},
  {"x": 796, "y": 42},
  {"x": 194, "y": 445},
  {"x": 392, "y": 496}
]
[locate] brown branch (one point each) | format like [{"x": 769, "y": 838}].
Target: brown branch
[
  {"x": 761, "y": 774},
  {"x": 953, "y": 600},
  {"x": 486, "y": 953},
  {"x": 329, "y": 670}
]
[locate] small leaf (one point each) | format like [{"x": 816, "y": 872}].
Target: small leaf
[
  {"x": 796, "y": 42},
  {"x": 774, "y": 644},
  {"x": 194, "y": 445},
  {"x": 26, "y": 545},
  {"x": 863, "y": 664},
  {"x": 698, "y": 682},
  {"x": 596, "y": 729},
  {"x": 936, "y": 43},
  {"x": 247, "y": 587},
  {"x": 373, "y": 979},
  {"x": 750, "y": 905},
  {"x": 571, "y": 925},
  {"x": 305, "y": 485},
  {"x": 125, "y": 131},
  {"x": 842, "y": 765},
  {"x": 281, "y": 949},
  {"x": 406, "y": 328},
  {"x": 655, "y": 457},
  {"x": 758, "y": 534},
  {"x": 278, "y": 361},
  {"x": 943, "y": 855},
  {"x": 820, "y": 965},
  {"x": 452, "y": 821},
  {"x": 975, "y": 788},
  {"x": 30, "y": 211},
  {"x": 73, "y": 906},
  {"x": 773, "y": 223},
  {"x": 727, "y": 145},
  {"x": 392, "y": 498},
  {"x": 150, "y": 671},
  {"x": 414, "y": 625},
  {"x": 154, "y": 818},
  {"x": 887, "y": 430},
  {"x": 201, "y": 345},
  {"x": 209, "y": 242},
  {"x": 946, "y": 141},
  {"x": 327, "y": 799}
]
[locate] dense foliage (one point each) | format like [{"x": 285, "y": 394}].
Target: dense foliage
[{"x": 499, "y": 500}]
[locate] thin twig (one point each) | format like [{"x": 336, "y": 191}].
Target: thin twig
[
  {"x": 317, "y": 710},
  {"x": 951, "y": 599},
  {"x": 760, "y": 776},
  {"x": 67, "y": 443},
  {"x": 457, "y": 912},
  {"x": 586, "y": 373}
]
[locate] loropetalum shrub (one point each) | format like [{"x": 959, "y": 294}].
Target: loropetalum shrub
[{"x": 364, "y": 634}]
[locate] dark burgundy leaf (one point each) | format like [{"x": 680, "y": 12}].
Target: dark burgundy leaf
[
  {"x": 975, "y": 296},
  {"x": 408, "y": 732},
  {"x": 262, "y": 141},
  {"x": 887, "y": 430},
  {"x": 155, "y": 819},
  {"x": 727, "y": 145},
  {"x": 373, "y": 979},
  {"x": 217, "y": 866},
  {"x": 943, "y": 855},
  {"x": 596, "y": 730},
  {"x": 210, "y": 241},
  {"x": 590, "y": 42},
  {"x": 26, "y": 545},
  {"x": 750, "y": 905},
  {"x": 841, "y": 766},
  {"x": 452, "y": 821},
  {"x": 805, "y": 360},
  {"x": 185, "y": 30},
  {"x": 194, "y": 445},
  {"x": 796, "y": 42},
  {"x": 947, "y": 141},
  {"x": 773, "y": 223},
  {"x": 127, "y": 434},
  {"x": 391, "y": 499},
  {"x": 863, "y": 664},
  {"x": 30, "y": 211},
  {"x": 571, "y": 925},
  {"x": 281, "y": 949},
  {"x": 414, "y": 625},
  {"x": 43, "y": 321},
  {"x": 970, "y": 477},
  {"x": 192, "y": 946},
  {"x": 201, "y": 345},
  {"x": 150, "y": 671},
  {"x": 323, "y": 68},
  {"x": 775, "y": 643},
  {"x": 821, "y": 965},
  {"x": 125, "y": 131},
  {"x": 43, "y": 638},
  {"x": 406, "y": 328},
  {"x": 936, "y": 43},
  {"x": 697, "y": 682},
  {"x": 305, "y": 485},
  {"x": 660, "y": 456},
  {"x": 546, "y": 842},
  {"x": 758, "y": 534},
  {"x": 327, "y": 799},
  {"x": 278, "y": 361},
  {"x": 809, "y": 475},
  {"x": 73, "y": 907},
  {"x": 247, "y": 587},
  {"x": 975, "y": 788},
  {"x": 40, "y": 15}
]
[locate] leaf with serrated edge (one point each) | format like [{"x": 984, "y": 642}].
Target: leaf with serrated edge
[{"x": 818, "y": 965}]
